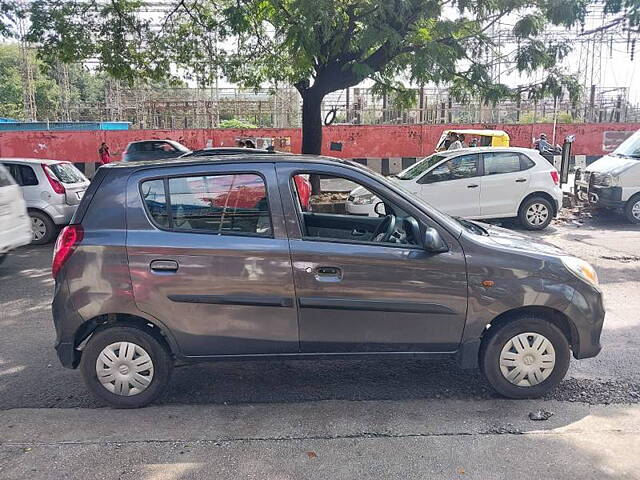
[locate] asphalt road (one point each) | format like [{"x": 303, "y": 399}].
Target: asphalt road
[{"x": 304, "y": 399}]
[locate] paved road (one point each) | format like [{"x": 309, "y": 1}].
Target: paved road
[{"x": 310, "y": 397}]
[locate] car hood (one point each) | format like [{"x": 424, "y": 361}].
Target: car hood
[
  {"x": 519, "y": 242},
  {"x": 613, "y": 164}
]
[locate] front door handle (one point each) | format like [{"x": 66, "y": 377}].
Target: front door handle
[
  {"x": 520, "y": 180},
  {"x": 357, "y": 232},
  {"x": 473, "y": 185},
  {"x": 328, "y": 274},
  {"x": 164, "y": 266}
]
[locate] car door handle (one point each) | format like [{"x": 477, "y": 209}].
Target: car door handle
[
  {"x": 164, "y": 266},
  {"x": 520, "y": 180},
  {"x": 328, "y": 274},
  {"x": 357, "y": 232},
  {"x": 473, "y": 185}
]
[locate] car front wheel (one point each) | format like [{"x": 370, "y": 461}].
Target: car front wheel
[
  {"x": 524, "y": 358},
  {"x": 125, "y": 366},
  {"x": 632, "y": 209},
  {"x": 536, "y": 213}
]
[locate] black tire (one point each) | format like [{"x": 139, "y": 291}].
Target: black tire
[
  {"x": 50, "y": 228},
  {"x": 628, "y": 209},
  {"x": 496, "y": 339},
  {"x": 531, "y": 203},
  {"x": 160, "y": 357}
]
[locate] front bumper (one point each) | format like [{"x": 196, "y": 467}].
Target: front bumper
[
  {"x": 586, "y": 312},
  {"x": 599, "y": 195}
]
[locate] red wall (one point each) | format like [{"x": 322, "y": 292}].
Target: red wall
[{"x": 358, "y": 141}]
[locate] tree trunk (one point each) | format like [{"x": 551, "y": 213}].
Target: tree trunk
[{"x": 312, "y": 130}]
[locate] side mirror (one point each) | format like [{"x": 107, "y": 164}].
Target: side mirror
[
  {"x": 433, "y": 242},
  {"x": 380, "y": 209}
]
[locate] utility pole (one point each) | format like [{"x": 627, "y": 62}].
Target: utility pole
[{"x": 28, "y": 82}]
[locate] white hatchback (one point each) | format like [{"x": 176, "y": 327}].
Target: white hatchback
[
  {"x": 479, "y": 183},
  {"x": 15, "y": 226}
]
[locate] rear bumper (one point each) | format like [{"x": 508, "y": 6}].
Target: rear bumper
[
  {"x": 586, "y": 312},
  {"x": 17, "y": 236},
  {"x": 66, "y": 321},
  {"x": 61, "y": 214}
]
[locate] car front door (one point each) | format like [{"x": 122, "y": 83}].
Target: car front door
[
  {"x": 358, "y": 294},
  {"x": 504, "y": 183},
  {"x": 209, "y": 258},
  {"x": 453, "y": 186}
]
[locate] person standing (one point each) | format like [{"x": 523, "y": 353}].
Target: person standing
[{"x": 105, "y": 156}]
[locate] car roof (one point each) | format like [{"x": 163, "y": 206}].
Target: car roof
[
  {"x": 226, "y": 151},
  {"x": 34, "y": 161},
  {"x": 240, "y": 158},
  {"x": 479, "y": 132},
  {"x": 468, "y": 150}
]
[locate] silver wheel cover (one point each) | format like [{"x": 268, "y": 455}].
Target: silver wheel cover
[
  {"x": 635, "y": 210},
  {"x": 527, "y": 359},
  {"x": 537, "y": 214},
  {"x": 38, "y": 228},
  {"x": 124, "y": 368}
]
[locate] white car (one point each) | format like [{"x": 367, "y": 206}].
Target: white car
[
  {"x": 15, "y": 227},
  {"x": 52, "y": 190},
  {"x": 479, "y": 183}
]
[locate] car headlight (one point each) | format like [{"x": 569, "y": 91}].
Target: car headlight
[
  {"x": 581, "y": 269},
  {"x": 606, "y": 180},
  {"x": 364, "y": 199}
]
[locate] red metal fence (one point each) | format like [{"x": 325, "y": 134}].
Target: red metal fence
[{"x": 356, "y": 141}]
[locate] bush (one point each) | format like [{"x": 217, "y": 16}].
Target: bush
[{"x": 233, "y": 123}]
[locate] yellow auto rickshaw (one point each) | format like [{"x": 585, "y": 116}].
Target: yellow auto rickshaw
[{"x": 483, "y": 138}]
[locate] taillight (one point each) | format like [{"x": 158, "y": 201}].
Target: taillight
[
  {"x": 55, "y": 183},
  {"x": 67, "y": 241},
  {"x": 555, "y": 176}
]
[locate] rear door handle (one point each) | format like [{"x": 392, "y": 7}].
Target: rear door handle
[
  {"x": 520, "y": 180},
  {"x": 164, "y": 266},
  {"x": 473, "y": 185},
  {"x": 357, "y": 232}
]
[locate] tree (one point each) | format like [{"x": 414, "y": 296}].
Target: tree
[{"x": 319, "y": 46}]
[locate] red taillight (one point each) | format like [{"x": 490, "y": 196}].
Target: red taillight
[
  {"x": 67, "y": 241},
  {"x": 555, "y": 176},
  {"x": 55, "y": 183}
]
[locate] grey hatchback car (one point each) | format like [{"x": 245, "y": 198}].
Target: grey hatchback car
[{"x": 218, "y": 258}]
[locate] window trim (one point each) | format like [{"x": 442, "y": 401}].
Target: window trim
[
  {"x": 302, "y": 227},
  {"x": 479, "y": 170},
  {"x": 167, "y": 194}
]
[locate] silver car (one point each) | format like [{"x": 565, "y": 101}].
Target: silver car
[{"x": 52, "y": 190}]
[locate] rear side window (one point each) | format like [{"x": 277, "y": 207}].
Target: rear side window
[
  {"x": 223, "y": 204},
  {"x": 501, "y": 162},
  {"x": 5, "y": 177},
  {"x": 23, "y": 174},
  {"x": 67, "y": 173}
]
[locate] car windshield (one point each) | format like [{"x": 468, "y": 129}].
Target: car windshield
[
  {"x": 630, "y": 147},
  {"x": 419, "y": 168},
  {"x": 67, "y": 173}
]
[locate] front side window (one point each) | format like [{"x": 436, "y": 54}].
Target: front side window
[
  {"x": 222, "y": 204},
  {"x": 464, "y": 166},
  {"x": 501, "y": 162},
  {"x": 420, "y": 167}
]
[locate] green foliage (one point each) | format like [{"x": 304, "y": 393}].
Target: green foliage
[
  {"x": 233, "y": 123},
  {"x": 562, "y": 117}
]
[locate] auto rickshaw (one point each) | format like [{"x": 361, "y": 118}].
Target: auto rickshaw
[{"x": 485, "y": 138}]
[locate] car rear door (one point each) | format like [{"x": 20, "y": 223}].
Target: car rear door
[
  {"x": 504, "y": 183},
  {"x": 453, "y": 186},
  {"x": 355, "y": 295},
  {"x": 209, "y": 257}
]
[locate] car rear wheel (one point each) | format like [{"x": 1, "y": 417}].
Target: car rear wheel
[
  {"x": 42, "y": 227},
  {"x": 524, "y": 358},
  {"x": 536, "y": 213},
  {"x": 632, "y": 209},
  {"x": 126, "y": 367}
]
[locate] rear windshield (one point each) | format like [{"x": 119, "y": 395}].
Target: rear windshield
[
  {"x": 5, "y": 177},
  {"x": 67, "y": 173},
  {"x": 419, "y": 168}
]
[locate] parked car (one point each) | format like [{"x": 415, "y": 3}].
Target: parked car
[
  {"x": 153, "y": 150},
  {"x": 15, "y": 227},
  {"x": 613, "y": 181},
  {"x": 52, "y": 190},
  {"x": 480, "y": 183},
  {"x": 149, "y": 273}
]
